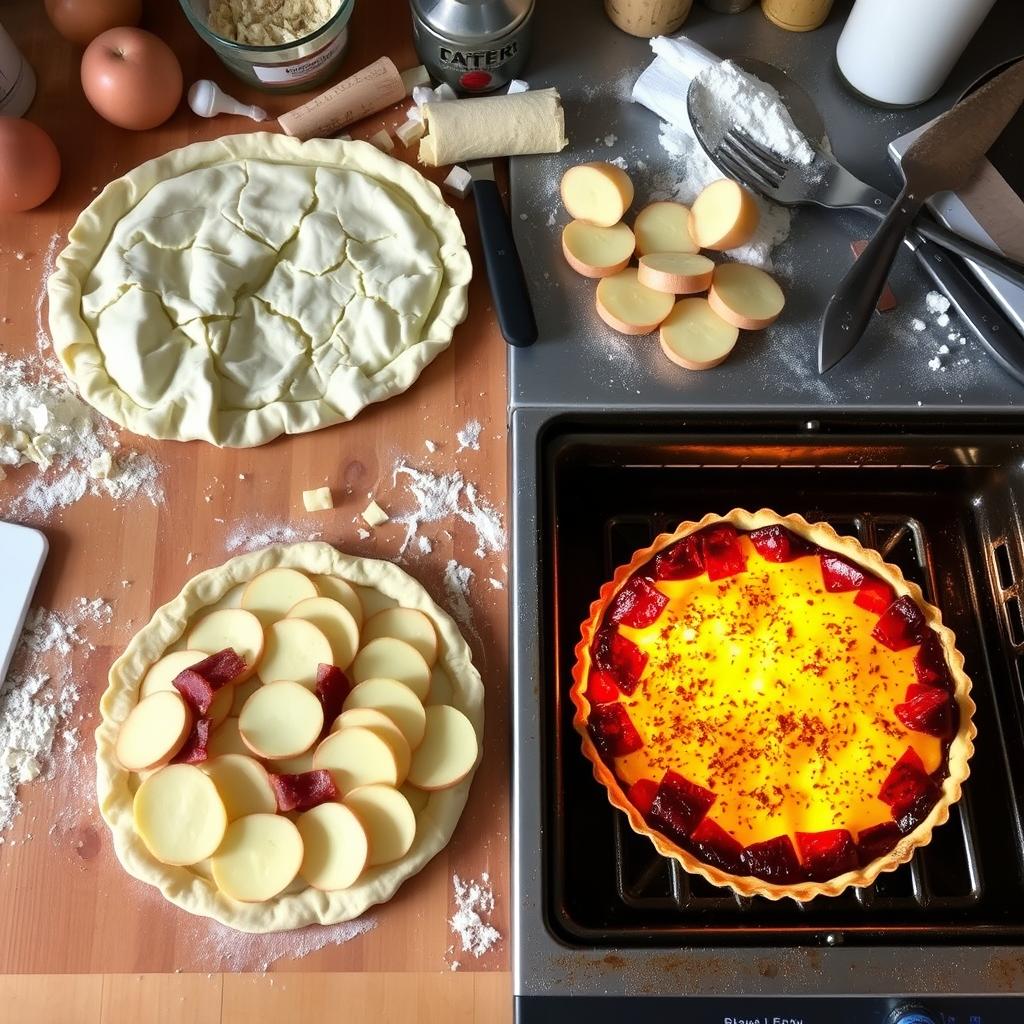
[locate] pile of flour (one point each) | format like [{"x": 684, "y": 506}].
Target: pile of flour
[{"x": 474, "y": 904}]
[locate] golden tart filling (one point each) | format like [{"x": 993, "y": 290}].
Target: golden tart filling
[{"x": 770, "y": 706}]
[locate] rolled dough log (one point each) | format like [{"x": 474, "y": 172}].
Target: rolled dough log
[{"x": 490, "y": 126}]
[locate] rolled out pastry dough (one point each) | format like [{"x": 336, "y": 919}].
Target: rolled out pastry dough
[{"x": 474, "y": 129}]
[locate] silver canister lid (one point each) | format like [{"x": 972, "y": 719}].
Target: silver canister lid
[{"x": 471, "y": 20}]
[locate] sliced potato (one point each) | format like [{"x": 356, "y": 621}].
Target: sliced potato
[
  {"x": 723, "y": 216},
  {"x": 281, "y": 719},
  {"x": 242, "y": 693},
  {"x": 676, "y": 273},
  {"x": 294, "y": 648},
  {"x": 294, "y": 765},
  {"x": 179, "y": 815},
  {"x": 226, "y": 739},
  {"x": 745, "y": 297},
  {"x": 629, "y": 307},
  {"x": 388, "y": 658},
  {"x": 373, "y": 600},
  {"x": 663, "y": 227},
  {"x": 408, "y": 624},
  {"x": 270, "y": 595},
  {"x": 440, "y": 687},
  {"x": 335, "y": 847},
  {"x": 243, "y": 785},
  {"x": 260, "y": 856},
  {"x": 598, "y": 193},
  {"x": 336, "y": 623},
  {"x": 595, "y": 251},
  {"x": 378, "y": 722},
  {"x": 448, "y": 751},
  {"x": 395, "y": 700},
  {"x": 154, "y": 731},
  {"x": 230, "y": 627},
  {"x": 356, "y": 757},
  {"x": 388, "y": 819},
  {"x": 344, "y": 593},
  {"x": 162, "y": 673},
  {"x": 418, "y": 798},
  {"x": 695, "y": 336}
]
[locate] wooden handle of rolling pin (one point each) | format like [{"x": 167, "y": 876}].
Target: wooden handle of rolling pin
[{"x": 375, "y": 87}]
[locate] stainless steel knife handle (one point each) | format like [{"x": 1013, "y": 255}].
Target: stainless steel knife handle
[
  {"x": 992, "y": 329},
  {"x": 1004, "y": 266}
]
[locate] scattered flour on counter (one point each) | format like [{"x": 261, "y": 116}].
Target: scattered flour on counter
[
  {"x": 38, "y": 697},
  {"x": 431, "y": 446},
  {"x": 251, "y": 536},
  {"x": 495, "y": 584},
  {"x": 49, "y": 261},
  {"x": 423, "y": 543},
  {"x": 474, "y": 903},
  {"x": 456, "y": 589},
  {"x": 469, "y": 436}
]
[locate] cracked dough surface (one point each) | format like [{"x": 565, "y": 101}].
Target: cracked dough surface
[
  {"x": 191, "y": 889},
  {"x": 232, "y": 291}
]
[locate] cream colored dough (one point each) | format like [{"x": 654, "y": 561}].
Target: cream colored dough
[
  {"x": 236, "y": 290},
  {"x": 196, "y": 893},
  {"x": 528, "y": 122}
]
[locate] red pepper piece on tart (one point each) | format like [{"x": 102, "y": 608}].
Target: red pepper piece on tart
[
  {"x": 774, "y": 860},
  {"x": 909, "y": 816},
  {"x": 877, "y": 840},
  {"x": 906, "y": 781},
  {"x": 641, "y": 795},
  {"x": 827, "y": 854},
  {"x": 927, "y": 709},
  {"x": 901, "y": 625},
  {"x": 332, "y": 687},
  {"x": 304, "y": 791},
  {"x": 601, "y": 687},
  {"x": 777, "y": 544},
  {"x": 723, "y": 555},
  {"x": 619, "y": 656},
  {"x": 713, "y": 844},
  {"x": 612, "y": 731},
  {"x": 680, "y": 561},
  {"x": 221, "y": 668},
  {"x": 199, "y": 683},
  {"x": 930, "y": 663},
  {"x": 875, "y": 595},
  {"x": 194, "y": 749},
  {"x": 679, "y": 805},
  {"x": 839, "y": 574},
  {"x": 638, "y": 604}
]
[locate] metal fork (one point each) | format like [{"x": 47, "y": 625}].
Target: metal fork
[{"x": 825, "y": 182}]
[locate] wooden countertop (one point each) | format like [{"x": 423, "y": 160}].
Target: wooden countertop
[{"x": 82, "y": 941}]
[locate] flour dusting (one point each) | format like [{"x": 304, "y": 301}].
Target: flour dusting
[
  {"x": 469, "y": 436},
  {"x": 456, "y": 590},
  {"x": 250, "y": 536},
  {"x": 474, "y": 904}
]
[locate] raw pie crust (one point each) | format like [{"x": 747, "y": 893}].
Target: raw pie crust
[
  {"x": 232, "y": 291},
  {"x": 193, "y": 892},
  {"x": 961, "y": 747}
]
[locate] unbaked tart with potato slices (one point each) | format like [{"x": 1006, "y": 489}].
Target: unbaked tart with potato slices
[
  {"x": 289, "y": 739},
  {"x": 773, "y": 705}
]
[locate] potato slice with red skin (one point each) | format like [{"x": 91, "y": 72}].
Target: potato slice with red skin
[
  {"x": 723, "y": 216},
  {"x": 280, "y": 720},
  {"x": 260, "y": 856},
  {"x": 356, "y": 757},
  {"x": 595, "y": 251},
  {"x": 389, "y": 658},
  {"x": 629, "y": 307},
  {"x": 598, "y": 193},
  {"x": 335, "y": 847},
  {"x": 294, "y": 651},
  {"x": 385, "y": 728},
  {"x": 694, "y": 336},
  {"x": 663, "y": 227},
  {"x": 395, "y": 700},
  {"x": 389, "y": 821},
  {"x": 336, "y": 623},
  {"x": 270, "y": 595},
  {"x": 448, "y": 751},
  {"x": 161, "y": 674},
  {"x": 344, "y": 593},
  {"x": 745, "y": 297},
  {"x": 243, "y": 785},
  {"x": 229, "y": 627},
  {"x": 676, "y": 273},
  {"x": 179, "y": 815},
  {"x": 408, "y": 624},
  {"x": 154, "y": 731}
]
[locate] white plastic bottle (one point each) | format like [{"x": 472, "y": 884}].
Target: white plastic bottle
[
  {"x": 17, "y": 79},
  {"x": 899, "y": 52}
]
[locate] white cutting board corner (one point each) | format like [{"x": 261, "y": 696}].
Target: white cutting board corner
[{"x": 22, "y": 553}]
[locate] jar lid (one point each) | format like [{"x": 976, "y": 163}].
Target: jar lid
[{"x": 473, "y": 19}]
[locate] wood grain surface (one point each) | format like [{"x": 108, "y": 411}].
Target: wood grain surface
[{"x": 81, "y": 940}]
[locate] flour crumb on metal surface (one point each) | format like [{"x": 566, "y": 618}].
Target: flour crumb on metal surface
[
  {"x": 469, "y": 436},
  {"x": 918, "y": 324},
  {"x": 937, "y": 303},
  {"x": 474, "y": 904}
]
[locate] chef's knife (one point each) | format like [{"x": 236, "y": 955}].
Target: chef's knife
[
  {"x": 504, "y": 269},
  {"x": 943, "y": 158}
]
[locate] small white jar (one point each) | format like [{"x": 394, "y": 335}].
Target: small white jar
[
  {"x": 17, "y": 79},
  {"x": 897, "y": 53}
]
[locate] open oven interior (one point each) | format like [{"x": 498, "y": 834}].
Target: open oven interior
[{"x": 946, "y": 509}]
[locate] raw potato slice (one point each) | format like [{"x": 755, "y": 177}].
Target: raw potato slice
[
  {"x": 373, "y": 600},
  {"x": 598, "y": 193},
  {"x": 179, "y": 815},
  {"x": 418, "y": 798},
  {"x": 695, "y": 336},
  {"x": 408, "y": 624},
  {"x": 154, "y": 731},
  {"x": 242, "y": 693},
  {"x": 281, "y": 719},
  {"x": 232, "y": 599},
  {"x": 162, "y": 673},
  {"x": 342, "y": 592},
  {"x": 448, "y": 751},
  {"x": 379, "y": 723},
  {"x": 226, "y": 739},
  {"x": 388, "y": 658},
  {"x": 595, "y": 251},
  {"x": 745, "y": 297},
  {"x": 663, "y": 227},
  {"x": 676, "y": 273},
  {"x": 335, "y": 847},
  {"x": 335, "y": 621},
  {"x": 629, "y": 307},
  {"x": 272, "y": 593},
  {"x": 723, "y": 216},
  {"x": 294, "y": 648},
  {"x": 243, "y": 784},
  {"x": 293, "y": 765},
  {"x": 230, "y": 627},
  {"x": 220, "y": 706},
  {"x": 395, "y": 700},
  {"x": 388, "y": 819},
  {"x": 440, "y": 687},
  {"x": 259, "y": 857},
  {"x": 356, "y": 757}
]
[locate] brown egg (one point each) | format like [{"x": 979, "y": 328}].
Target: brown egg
[
  {"x": 131, "y": 78},
  {"x": 29, "y": 165},
  {"x": 81, "y": 21}
]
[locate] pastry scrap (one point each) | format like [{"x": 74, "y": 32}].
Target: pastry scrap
[
  {"x": 245, "y": 784},
  {"x": 773, "y": 705}
]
